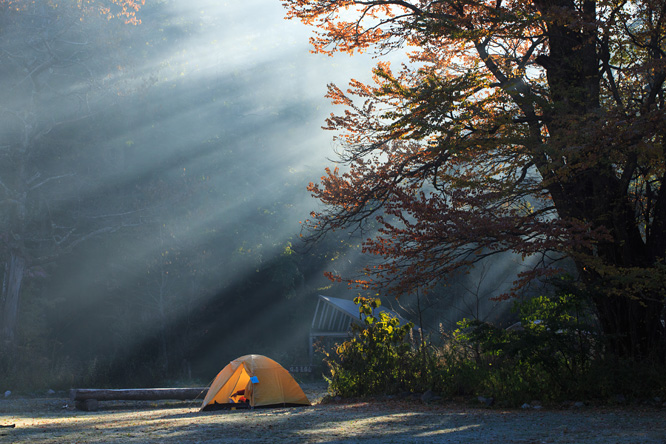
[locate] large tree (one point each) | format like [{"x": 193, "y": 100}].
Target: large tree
[{"x": 533, "y": 127}]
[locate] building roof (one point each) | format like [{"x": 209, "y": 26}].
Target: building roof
[{"x": 333, "y": 316}]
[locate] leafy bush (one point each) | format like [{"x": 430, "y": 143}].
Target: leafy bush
[
  {"x": 555, "y": 354},
  {"x": 547, "y": 357},
  {"x": 379, "y": 359}
]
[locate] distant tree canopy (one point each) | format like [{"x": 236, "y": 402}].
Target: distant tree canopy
[{"x": 533, "y": 127}]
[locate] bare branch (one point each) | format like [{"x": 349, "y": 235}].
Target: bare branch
[{"x": 45, "y": 181}]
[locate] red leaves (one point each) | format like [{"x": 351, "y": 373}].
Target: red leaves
[{"x": 423, "y": 236}]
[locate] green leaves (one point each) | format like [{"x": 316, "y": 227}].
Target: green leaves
[
  {"x": 552, "y": 355},
  {"x": 378, "y": 359}
]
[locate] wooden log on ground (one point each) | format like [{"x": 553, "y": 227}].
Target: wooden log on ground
[{"x": 87, "y": 399}]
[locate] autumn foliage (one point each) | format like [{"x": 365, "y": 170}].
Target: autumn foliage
[{"x": 533, "y": 127}]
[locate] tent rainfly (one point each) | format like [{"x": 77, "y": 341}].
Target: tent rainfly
[
  {"x": 333, "y": 318},
  {"x": 254, "y": 381}
]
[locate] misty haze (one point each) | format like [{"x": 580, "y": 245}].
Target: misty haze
[
  {"x": 154, "y": 177},
  {"x": 382, "y": 220}
]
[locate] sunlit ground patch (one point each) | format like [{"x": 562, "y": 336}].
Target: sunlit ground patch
[{"x": 447, "y": 430}]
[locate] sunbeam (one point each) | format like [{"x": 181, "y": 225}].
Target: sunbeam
[{"x": 161, "y": 173}]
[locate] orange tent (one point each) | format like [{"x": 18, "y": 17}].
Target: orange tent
[{"x": 255, "y": 381}]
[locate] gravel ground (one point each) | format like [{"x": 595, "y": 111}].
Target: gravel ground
[{"x": 48, "y": 420}]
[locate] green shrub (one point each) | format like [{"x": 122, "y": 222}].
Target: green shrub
[
  {"x": 548, "y": 357},
  {"x": 556, "y": 354},
  {"x": 379, "y": 358}
]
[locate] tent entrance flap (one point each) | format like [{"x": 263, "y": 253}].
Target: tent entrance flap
[{"x": 238, "y": 381}]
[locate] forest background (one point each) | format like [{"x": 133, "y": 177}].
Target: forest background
[{"x": 155, "y": 160}]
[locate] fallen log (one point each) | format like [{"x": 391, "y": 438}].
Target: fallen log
[{"x": 88, "y": 399}]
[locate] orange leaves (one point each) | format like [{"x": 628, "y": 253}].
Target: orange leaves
[
  {"x": 348, "y": 26},
  {"x": 348, "y": 37},
  {"x": 337, "y": 96},
  {"x": 123, "y": 9}
]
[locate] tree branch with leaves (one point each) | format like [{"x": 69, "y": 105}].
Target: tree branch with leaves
[{"x": 522, "y": 126}]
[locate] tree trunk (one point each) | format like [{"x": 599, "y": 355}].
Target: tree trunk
[
  {"x": 12, "y": 290},
  {"x": 87, "y": 399},
  {"x": 632, "y": 326},
  {"x": 631, "y": 318}
]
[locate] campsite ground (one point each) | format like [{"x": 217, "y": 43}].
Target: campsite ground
[{"x": 48, "y": 420}]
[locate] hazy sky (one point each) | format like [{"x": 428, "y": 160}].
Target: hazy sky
[{"x": 253, "y": 37}]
